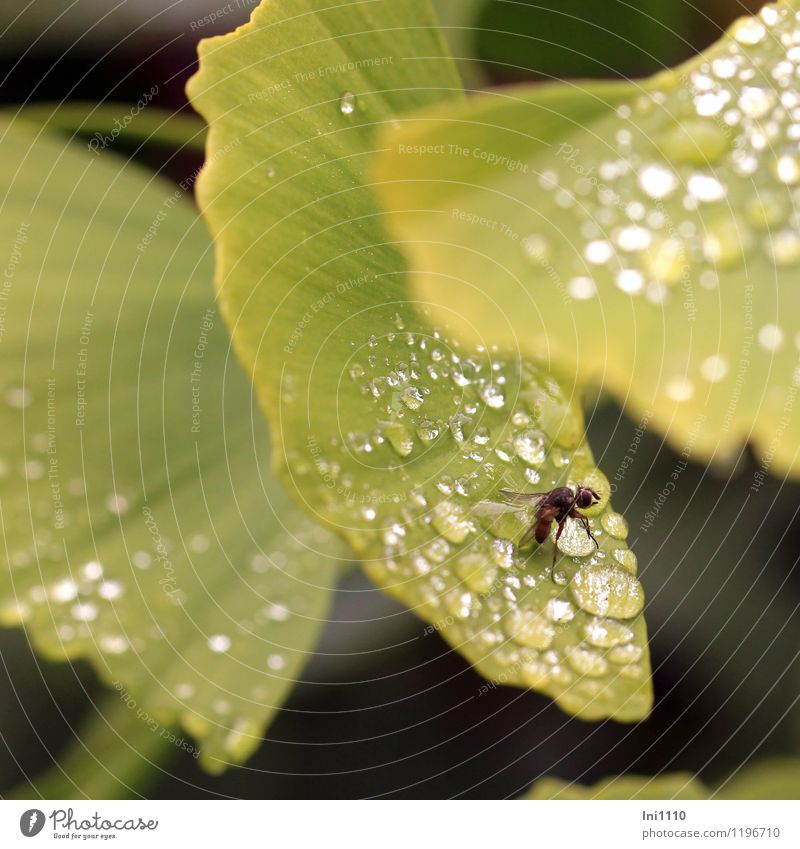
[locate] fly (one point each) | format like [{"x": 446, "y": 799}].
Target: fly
[{"x": 558, "y": 505}]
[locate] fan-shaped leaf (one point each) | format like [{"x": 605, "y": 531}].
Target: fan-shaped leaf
[{"x": 385, "y": 429}]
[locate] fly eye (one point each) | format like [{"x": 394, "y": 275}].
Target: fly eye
[{"x": 585, "y": 498}]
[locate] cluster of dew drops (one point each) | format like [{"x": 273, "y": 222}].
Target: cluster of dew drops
[{"x": 703, "y": 176}]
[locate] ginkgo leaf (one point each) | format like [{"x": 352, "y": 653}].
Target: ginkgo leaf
[
  {"x": 139, "y": 531},
  {"x": 643, "y": 234},
  {"x": 384, "y": 428}
]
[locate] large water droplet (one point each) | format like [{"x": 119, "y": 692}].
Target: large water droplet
[{"x": 607, "y": 591}]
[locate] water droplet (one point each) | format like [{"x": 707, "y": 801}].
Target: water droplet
[
  {"x": 117, "y": 504},
  {"x": 607, "y": 591},
  {"x": 705, "y": 188},
  {"x": 714, "y": 368},
  {"x": 598, "y": 252},
  {"x": 64, "y": 590},
  {"x": 457, "y": 423},
  {"x": 427, "y": 431},
  {"x": 626, "y": 558},
  {"x": 492, "y": 396},
  {"x": 586, "y": 662},
  {"x": 92, "y": 571},
  {"x": 529, "y": 628},
  {"x": 559, "y": 611},
  {"x": 748, "y": 31},
  {"x": 19, "y": 397},
  {"x": 605, "y": 633},
  {"x": 770, "y": 337},
  {"x": 614, "y": 524},
  {"x": 449, "y": 521},
  {"x": 679, "y": 389},
  {"x": 657, "y": 181},
  {"x": 529, "y": 446},
  {"x": 276, "y": 662},
  {"x": 113, "y": 644},
  {"x": 582, "y": 288},
  {"x": 475, "y": 572},
  {"x": 110, "y": 590},
  {"x": 347, "y": 103},
  {"x": 86, "y": 612},
  {"x": 634, "y": 238},
  {"x": 502, "y": 552},
  {"x": 787, "y": 169},
  {"x": 629, "y": 280},
  {"x": 412, "y": 398},
  {"x": 399, "y": 437},
  {"x": 625, "y": 654}
]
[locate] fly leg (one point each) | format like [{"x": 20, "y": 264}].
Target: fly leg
[
  {"x": 585, "y": 522},
  {"x": 555, "y": 544}
]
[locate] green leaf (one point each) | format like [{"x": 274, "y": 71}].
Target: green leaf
[
  {"x": 109, "y": 124},
  {"x": 385, "y": 429},
  {"x": 775, "y": 778},
  {"x": 458, "y": 20},
  {"x": 641, "y": 235},
  {"x": 113, "y": 756},
  {"x": 138, "y": 531}
]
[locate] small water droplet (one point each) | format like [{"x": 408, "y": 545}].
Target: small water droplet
[
  {"x": 606, "y": 633},
  {"x": 586, "y": 662},
  {"x": 347, "y": 103},
  {"x": 529, "y": 446},
  {"x": 449, "y": 521},
  {"x": 559, "y": 611},
  {"x": 219, "y": 643},
  {"x": 657, "y": 181}
]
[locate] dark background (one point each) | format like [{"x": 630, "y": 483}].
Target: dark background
[{"x": 387, "y": 710}]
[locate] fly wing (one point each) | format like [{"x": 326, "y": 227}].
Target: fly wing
[{"x": 526, "y": 499}]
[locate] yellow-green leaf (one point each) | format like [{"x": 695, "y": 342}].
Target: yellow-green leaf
[
  {"x": 383, "y": 427},
  {"x": 643, "y": 235},
  {"x": 140, "y": 529}
]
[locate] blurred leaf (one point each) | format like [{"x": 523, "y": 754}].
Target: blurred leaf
[
  {"x": 775, "y": 778},
  {"x": 113, "y": 756},
  {"x": 680, "y": 785},
  {"x": 778, "y": 778},
  {"x": 386, "y": 430},
  {"x": 138, "y": 532},
  {"x": 458, "y": 20},
  {"x": 640, "y": 235},
  {"x": 584, "y": 38},
  {"x": 108, "y": 124}
]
